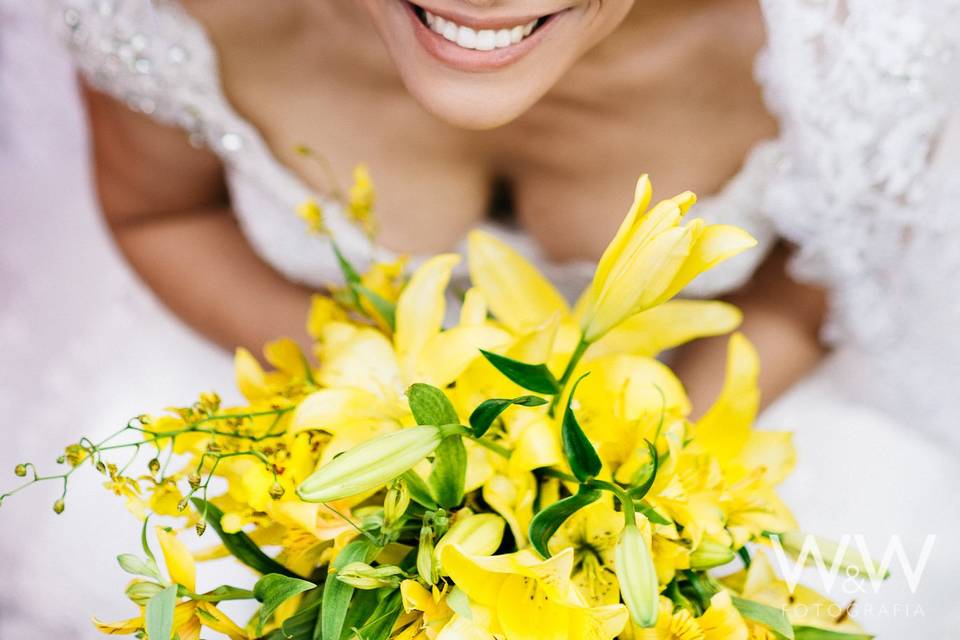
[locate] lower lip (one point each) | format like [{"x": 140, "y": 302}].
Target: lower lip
[{"x": 462, "y": 59}]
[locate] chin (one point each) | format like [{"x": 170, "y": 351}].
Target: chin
[{"x": 480, "y": 67}]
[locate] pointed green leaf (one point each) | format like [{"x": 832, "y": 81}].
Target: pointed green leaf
[
  {"x": 772, "y": 618},
  {"x": 449, "y": 473},
  {"x": 431, "y": 406},
  {"x": 535, "y": 377},
  {"x": 646, "y": 476},
  {"x": 386, "y": 309},
  {"x": 274, "y": 589},
  {"x": 239, "y": 544},
  {"x": 381, "y": 621},
  {"x": 546, "y": 522},
  {"x": 582, "y": 457},
  {"x": 419, "y": 491},
  {"x": 489, "y": 410},
  {"x": 650, "y": 513},
  {"x": 337, "y": 594},
  {"x": 159, "y": 614}
]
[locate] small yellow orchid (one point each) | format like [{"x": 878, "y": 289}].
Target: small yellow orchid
[{"x": 522, "y": 596}]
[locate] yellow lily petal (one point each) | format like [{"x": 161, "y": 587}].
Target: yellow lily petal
[
  {"x": 361, "y": 358},
  {"x": 772, "y": 451},
  {"x": 474, "y": 309},
  {"x": 518, "y": 295},
  {"x": 724, "y": 429},
  {"x": 714, "y": 244},
  {"x": 526, "y": 611},
  {"x": 667, "y": 326},
  {"x": 447, "y": 354},
  {"x": 212, "y": 618},
  {"x": 180, "y": 563},
  {"x": 422, "y": 305},
  {"x": 250, "y": 377},
  {"x": 120, "y": 628},
  {"x": 479, "y": 583},
  {"x": 286, "y": 356},
  {"x": 345, "y": 410},
  {"x": 598, "y": 623},
  {"x": 721, "y": 620},
  {"x": 641, "y": 200}
]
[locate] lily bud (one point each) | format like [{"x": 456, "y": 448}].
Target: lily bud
[
  {"x": 20, "y": 470},
  {"x": 58, "y": 507},
  {"x": 477, "y": 535},
  {"x": 638, "y": 577},
  {"x": 395, "y": 503},
  {"x": 426, "y": 560},
  {"x": 140, "y": 591},
  {"x": 363, "y": 576},
  {"x": 814, "y": 549},
  {"x": 371, "y": 464},
  {"x": 711, "y": 553}
]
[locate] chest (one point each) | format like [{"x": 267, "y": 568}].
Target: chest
[{"x": 686, "y": 112}]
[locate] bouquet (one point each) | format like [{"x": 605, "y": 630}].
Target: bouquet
[{"x": 527, "y": 471}]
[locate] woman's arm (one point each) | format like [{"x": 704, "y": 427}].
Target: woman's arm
[
  {"x": 781, "y": 317},
  {"x": 166, "y": 205}
]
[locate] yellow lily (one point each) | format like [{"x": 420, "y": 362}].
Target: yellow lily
[
  {"x": 721, "y": 621},
  {"x": 523, "y": 597},
  {"x": 592, "y": 533},
  {"x": 651, "y": 258},
  {"x": 189, "y": 616}
]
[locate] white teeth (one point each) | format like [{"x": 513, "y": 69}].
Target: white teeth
[{"x": 482, "y": 39}]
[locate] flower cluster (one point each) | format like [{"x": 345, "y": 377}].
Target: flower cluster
[{"x": 529, "y": 471}]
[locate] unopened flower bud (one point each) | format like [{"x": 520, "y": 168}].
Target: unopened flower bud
[
  {"x": 395, "y": 503},
  {"x": 140, "y": 592},
  {"x": 20, "y": 470},
  {"x": 277, "y": 491},
  {"x": 638, "y": 577},
  {"x": 61, "y": 459},
  {"x": 182, "y": 505},
  {"x": 201, "y": 527},
  {"x": 101, "y": 467},
  {"x": 477, "y": 535},
  {"x": 815, "y": 550},
  {"x": 194, "y": 479},
  {"x": 58, "y": 506},
  {"x": 154, "y": 466},
  {"x": 363, "y": 576},
  {"x": 711, "y": 553},
  {"x": 371, "y": 464},
  {"x": 426, "y": 561}
]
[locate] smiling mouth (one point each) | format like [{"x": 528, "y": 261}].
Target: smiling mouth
[{"x": 478, "y": 39}]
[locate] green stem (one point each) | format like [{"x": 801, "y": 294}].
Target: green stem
[
  {"x": 575, "y": 358},
  {"x": 492, "y": 446}
]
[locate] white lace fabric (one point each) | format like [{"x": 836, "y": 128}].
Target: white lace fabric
[{"x": 863, "y": 179}]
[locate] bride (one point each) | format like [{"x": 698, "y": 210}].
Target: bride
[{"x": 531, "y": 118}]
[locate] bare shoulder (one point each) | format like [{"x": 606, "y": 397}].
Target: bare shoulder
[{"x": 144, "y": 168}]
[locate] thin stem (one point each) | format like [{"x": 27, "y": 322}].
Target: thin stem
[
  {"x": 493, "y": 446},
  {"x": 575, "y": 358}
]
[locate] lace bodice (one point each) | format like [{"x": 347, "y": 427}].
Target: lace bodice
[{"x": 862, "y": 178}]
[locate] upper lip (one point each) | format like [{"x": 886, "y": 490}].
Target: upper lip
[{"x": 485, "y": 22}]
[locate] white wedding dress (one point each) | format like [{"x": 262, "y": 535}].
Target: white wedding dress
[{"x": 864, "y": 180}]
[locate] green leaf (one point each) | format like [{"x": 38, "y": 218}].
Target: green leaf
[
  {"x": 489, "y": 410},
  {"x": 431, "y": 406},
  {"x": 239, "y": 544},
  {"x": 449, "y": 473},
  {"x": 772, "y": 618},
  {"x": 299, "y": 626},
  {"x": 362, "y": 607},
  {"x": 546, "y": 522},
  {"x": 350, "y": 274},
  {"x": 650, "y": 513},
  {"x": 535, "y": 377},
  {"x": 814, "y": 633},
  {"x": 381, "y": 621},
  {"x": 582, "y": 457},
  {"x": 225, "y": 592},
  {"x": 337, "y": 594},
  {"x": 637, "y": 492},
  {"x": 274, "y": 589},
  {"x": 419, "y": 491},
  {"x": 159, "y": 614},
  {"x": 137, "y": 566},
  {"x": 386, "y": 309}
]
